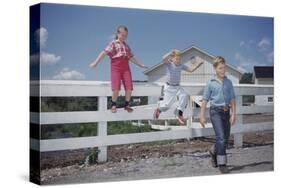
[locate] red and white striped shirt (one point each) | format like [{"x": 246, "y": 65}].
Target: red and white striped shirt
[{"x": 116, "y": 49}]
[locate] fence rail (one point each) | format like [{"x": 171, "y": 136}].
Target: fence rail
[{"x": 53, "y": 88}]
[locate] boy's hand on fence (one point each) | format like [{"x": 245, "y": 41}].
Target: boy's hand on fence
[
  {"x": 203, "y": 121},
  {"x": 232, "y": 119}
]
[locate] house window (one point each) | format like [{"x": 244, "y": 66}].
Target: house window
[
  {"x": 193, "y": 59},
  {"x": 270, "y": 99},
  {"x": 248, "y": 100}
]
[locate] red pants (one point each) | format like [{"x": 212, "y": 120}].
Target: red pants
[{"x": 120, "y": 72}]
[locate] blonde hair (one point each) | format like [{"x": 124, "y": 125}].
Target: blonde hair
[
  {"x": 218, "y": 60},
  {"x": 175, "y": 52}
]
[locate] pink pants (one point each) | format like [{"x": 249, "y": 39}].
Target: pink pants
[{"x": 120, "y": 72}]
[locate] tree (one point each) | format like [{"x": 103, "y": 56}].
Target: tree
[{"x": 247, "y": 78}]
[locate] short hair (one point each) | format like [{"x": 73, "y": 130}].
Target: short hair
[
  {"x": 176, "y": 52},
  {"x": 218, "y": 60}
]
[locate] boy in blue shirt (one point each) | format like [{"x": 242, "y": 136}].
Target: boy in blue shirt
[{"x": 220, "y": 93}]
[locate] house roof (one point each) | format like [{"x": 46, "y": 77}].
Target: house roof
[
  {"x": 188, "y": 49},
  {"x": 264, "y": 71}
]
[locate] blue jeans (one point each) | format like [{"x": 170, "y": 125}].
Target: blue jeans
[{"x": 221, "y": 125}]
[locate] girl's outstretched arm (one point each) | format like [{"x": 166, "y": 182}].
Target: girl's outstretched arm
[
  {"x": 136, "y": 62},
  {"x": 97, "y": 61}
]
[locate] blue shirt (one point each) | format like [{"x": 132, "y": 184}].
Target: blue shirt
[
  {"x": 219, "y": 93},
  {"x": 173, "y": 72}
]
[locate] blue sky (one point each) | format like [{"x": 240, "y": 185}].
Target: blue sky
[{"x": 71, "y": 37}]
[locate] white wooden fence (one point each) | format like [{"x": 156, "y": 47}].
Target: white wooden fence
[{"x": 54, "y": 88}]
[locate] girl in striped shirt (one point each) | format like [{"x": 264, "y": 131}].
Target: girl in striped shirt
[{"x": 120, "y": 54}]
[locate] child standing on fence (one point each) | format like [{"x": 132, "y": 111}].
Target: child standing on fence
[
  {"x": 172, "y": 88},
  {"x": 219, "y": 91},
  {"x": 120, "y": 54}
]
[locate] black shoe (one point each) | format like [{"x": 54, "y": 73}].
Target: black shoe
[
  {"x": 223, "y": 169},
  {"x": 213, "y": 159}
]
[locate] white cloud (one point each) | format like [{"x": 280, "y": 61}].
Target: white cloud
[
  {"x": 264, "y": 44},
  {"x": 242, "y": 43},
  {"x": 262, "y": 47},
  {"x": 41, "y": 37},
  {"x": 44, "y": 58},
  {"x": 67, "y": 74},
  {"x": 47, "y": 58},
  {"x": 246, "y": 64},
  {"x": 247, "y": 44}
]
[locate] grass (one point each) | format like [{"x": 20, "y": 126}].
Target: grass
[
  {"x": 90, "y": 129},
  {"x": 125, "y": 127}
]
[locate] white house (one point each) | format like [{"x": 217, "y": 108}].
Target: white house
[
  {"x": 263, "y": 75},
  {"x": 204, "y": 73}
]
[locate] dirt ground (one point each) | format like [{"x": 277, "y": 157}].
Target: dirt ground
[{"x": 240, "y": 160}]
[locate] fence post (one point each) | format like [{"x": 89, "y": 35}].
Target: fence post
[
  {"x": 189, "y": 116},
  {"x": 238, "y": 138},
  {"x": 102, "y": 129},
  {"x": 190, "y": 111}
]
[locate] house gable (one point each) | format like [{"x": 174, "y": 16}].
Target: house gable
[{"x": 201, "y": 75}]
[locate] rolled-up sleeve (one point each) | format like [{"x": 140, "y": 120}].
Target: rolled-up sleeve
[
  {"x": 110, "y": 49},
  {"x": 207, "y": 92}
]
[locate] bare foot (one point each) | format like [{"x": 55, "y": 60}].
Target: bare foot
[{"x": 129, "y": 109}]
